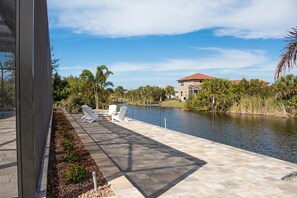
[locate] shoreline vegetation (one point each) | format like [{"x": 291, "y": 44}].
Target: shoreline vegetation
[
  {"x": 245, "y": 109},
  {"x": 258, "y": 106},
  {"x": 248, "y": 97}
]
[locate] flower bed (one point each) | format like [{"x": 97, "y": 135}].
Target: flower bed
[{"x": 70, "y": 164}]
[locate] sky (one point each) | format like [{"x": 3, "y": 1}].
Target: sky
[{"x": 157, "y": 42}]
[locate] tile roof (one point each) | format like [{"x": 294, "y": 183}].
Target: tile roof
[{"x": 197, "y": 76}]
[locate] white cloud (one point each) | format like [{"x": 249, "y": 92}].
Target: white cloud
[
  {"x": 64, "y": 68},
  {"x": 220, "y": 58},
  {"x": 118, "y": 18}
]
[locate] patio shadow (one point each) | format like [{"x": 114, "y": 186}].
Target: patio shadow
[{"x": 152, "y": 167}]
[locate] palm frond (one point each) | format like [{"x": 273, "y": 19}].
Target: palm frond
[
  {"x": 87, "y": 75},
  {"x": 108, "y": 84},
  {"x": 289, "y": 54}
]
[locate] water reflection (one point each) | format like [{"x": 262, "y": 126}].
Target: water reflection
[{"x": 275, "y": 137}]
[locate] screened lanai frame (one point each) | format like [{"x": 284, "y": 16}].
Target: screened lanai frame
[{"x": 24, "y": 35}]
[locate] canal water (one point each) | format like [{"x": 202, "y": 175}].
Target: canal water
[{"x": 275, "y": 137}]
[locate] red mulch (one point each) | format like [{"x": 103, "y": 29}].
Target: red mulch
[{"x": 57, "y": 187}]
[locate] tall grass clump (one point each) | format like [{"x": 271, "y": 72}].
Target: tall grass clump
[{"x": 260, "y": 106}]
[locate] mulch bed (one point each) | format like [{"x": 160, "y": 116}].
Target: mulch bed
[{"x": 57, "y": 186}]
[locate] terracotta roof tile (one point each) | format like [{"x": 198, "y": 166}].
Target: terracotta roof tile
[{"x": 197, "y": 76}]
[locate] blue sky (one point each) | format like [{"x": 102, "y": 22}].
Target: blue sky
[{"x": 157, "y": 42}]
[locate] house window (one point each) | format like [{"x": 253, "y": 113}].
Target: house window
[
  {"x": 182, "y": 84},
  {"x": 181, "y": 94}
]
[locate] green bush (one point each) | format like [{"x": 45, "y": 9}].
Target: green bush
[
  {"x": 73, "y": 103},
  {"x": 68, "y": 144},
  {"x": 64, "y": 122},
  {"x": 63, "y": 129},
  {"x": 70, "y": 157},
  {"x": 75, "y": 173}
]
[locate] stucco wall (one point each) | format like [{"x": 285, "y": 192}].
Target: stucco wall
[{"x": 185, "y": 89}]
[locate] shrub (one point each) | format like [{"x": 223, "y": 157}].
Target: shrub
[
  {"x": 75, "y": 173},
  {"x": 63, "y": 129},
  {"x": 73, "y": 103},
  {"x": 64, "y": 122},
  {"x": 68, "y": 144},
  {"x": 70, "y": 157}
]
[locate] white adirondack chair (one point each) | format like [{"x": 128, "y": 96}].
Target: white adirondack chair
[
  {"x": 121, "y": 115},
  {"x": 112, "y": 109},
  {"x": 90, "y": 115},
  {"x": 84, "y": 111}
]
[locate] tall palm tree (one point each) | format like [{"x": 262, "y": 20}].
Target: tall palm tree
[
  {"x": 98, "y": 84},
  {"x": 289, "y": 55}
]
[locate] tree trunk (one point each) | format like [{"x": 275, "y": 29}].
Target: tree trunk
[{"x": 97, "y": 101}]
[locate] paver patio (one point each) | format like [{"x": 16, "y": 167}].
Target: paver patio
[
  {"x": 8, "y": 159},
  {"x": 172, "y": 164}
]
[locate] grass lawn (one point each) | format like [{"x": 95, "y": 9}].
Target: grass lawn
[{"x": 173, "y": 103}]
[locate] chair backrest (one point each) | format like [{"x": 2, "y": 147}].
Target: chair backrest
[
  {"x": 112, "y": 109},
  {"x": 83, "y": 108},
  {"x": 89, "y": 112},
  {"x": 123, "y": 111}
]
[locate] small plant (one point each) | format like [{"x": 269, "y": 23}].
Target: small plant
[
  {"x": 68, "y": 135},
  {"x": 75, "y": 173},
  {"x": 68, "y": 144},
  {"x": 70, "y": 157},
  {"x": 64, "y": 122},
  {"x": 63, "y": 129}
]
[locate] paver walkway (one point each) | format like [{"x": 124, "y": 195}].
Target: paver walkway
[
  {"x": 172, "y": 164},
  {"x": 8, "y": 161}
]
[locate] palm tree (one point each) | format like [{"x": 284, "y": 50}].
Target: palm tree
[
  {"x": 97, "y": 84},
  {"x": 289, "y": 55},
  {"x": 169, "y": 91},
  {"x": 286, "y": 87}
]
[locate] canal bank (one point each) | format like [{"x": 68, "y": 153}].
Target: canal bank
[{"x": 167, "y": 163}]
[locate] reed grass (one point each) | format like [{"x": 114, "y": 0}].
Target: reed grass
[{"x": 259, "y": 106}]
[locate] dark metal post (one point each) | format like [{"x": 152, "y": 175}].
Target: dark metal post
[{"x": 24, "y": 97}]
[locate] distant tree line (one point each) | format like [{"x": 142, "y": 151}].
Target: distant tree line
[{"x": 148, "y": 93}]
